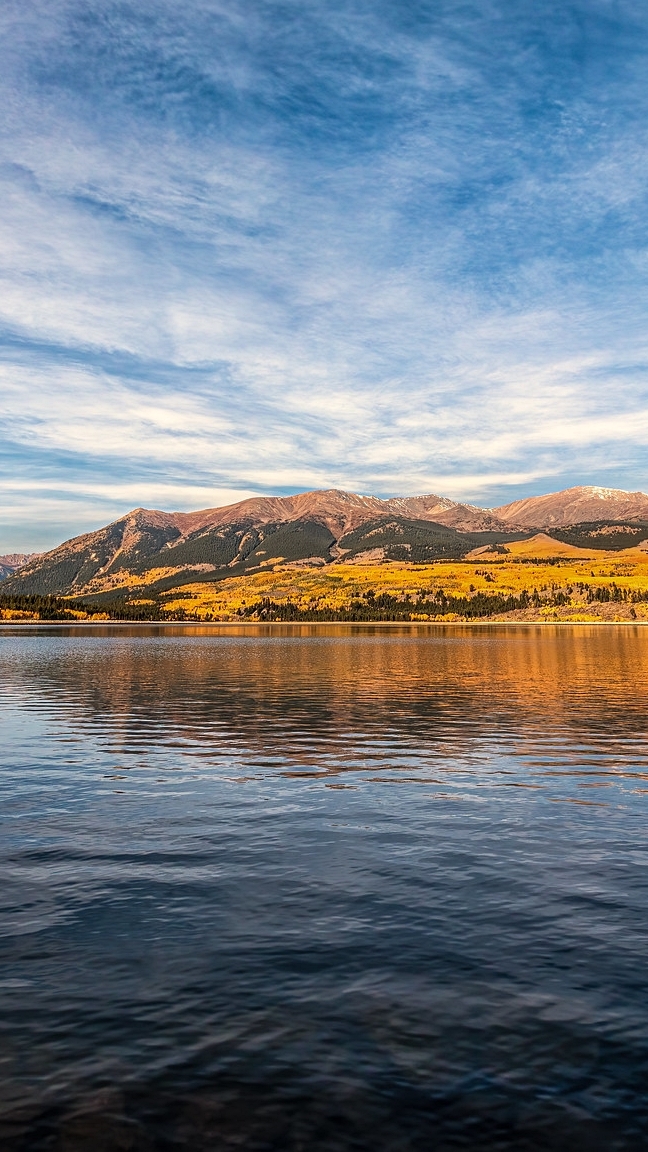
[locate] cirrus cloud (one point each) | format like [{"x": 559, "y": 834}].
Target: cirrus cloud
[{"x": 274, "y": 246}]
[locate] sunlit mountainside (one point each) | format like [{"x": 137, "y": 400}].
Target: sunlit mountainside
[
  {"x": 574, "y": 506},
  {"x": 315, "y": 553}
]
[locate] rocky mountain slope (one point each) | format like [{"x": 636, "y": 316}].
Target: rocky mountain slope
[
  {"x": 574, "y": 506},
  {"x": 150, "y": 552},
  {"x": 11, "y": 562}
]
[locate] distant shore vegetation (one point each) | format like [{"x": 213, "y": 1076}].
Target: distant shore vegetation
[{"x": 497, "y": 588}]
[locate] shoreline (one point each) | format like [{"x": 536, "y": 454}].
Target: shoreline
[{"x": 278, "y": 624}]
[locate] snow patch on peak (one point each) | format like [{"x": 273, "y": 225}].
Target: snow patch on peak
[{"x": 605, "y": 493}]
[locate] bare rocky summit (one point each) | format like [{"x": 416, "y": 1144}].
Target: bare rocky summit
[
  {"x": 580, "y": 505},
  {"x": 340, "y": 511}
]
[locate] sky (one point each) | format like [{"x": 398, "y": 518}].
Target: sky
[{"x": 254, "y": 247}]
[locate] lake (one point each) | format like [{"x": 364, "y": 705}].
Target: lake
[{"x": 316, "y": 888}]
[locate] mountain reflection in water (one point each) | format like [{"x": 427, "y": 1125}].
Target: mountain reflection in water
[{"x": 316, "y": 888}]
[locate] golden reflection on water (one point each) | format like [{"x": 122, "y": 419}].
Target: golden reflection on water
[{"x": 324, "y": 699}]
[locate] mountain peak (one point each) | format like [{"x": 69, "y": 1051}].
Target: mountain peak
[{"x": 574, "y": 506}]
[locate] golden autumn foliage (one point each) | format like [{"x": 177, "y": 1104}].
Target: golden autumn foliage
[
  {"x": 533, "y": 579},
  {"x": 334, "y": 587}
]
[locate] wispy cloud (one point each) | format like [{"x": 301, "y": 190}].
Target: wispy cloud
[{"x": 262, "y": 247}]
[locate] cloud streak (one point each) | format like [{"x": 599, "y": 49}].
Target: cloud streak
[{"x": 265, "y": 247}]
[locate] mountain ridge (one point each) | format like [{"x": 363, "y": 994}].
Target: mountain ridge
[
  {"x": 584, "y": 503},
  {"x": 337, "y": 508},
  {"x": 12, "y": 561},
  {"x": 157, "y": 550}
]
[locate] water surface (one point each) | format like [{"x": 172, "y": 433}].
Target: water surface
[{"x": 310, "y": 888}]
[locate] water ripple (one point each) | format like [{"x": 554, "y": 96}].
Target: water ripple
[{"x": 324, "y": 888}]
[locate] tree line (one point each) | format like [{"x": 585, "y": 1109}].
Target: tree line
[
  {"x": 56, "y": 608},
  {"x": 369, "y": 607},
  {"x": 386, "y": 607}
]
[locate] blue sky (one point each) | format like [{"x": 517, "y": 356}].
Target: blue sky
[{"x": 394, "y": 247}]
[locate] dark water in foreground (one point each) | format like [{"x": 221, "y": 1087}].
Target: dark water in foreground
[{"x": 307, "y": 889}]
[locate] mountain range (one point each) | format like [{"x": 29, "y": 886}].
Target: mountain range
[
  {"x": 152, "y": 551},
  {"x": 11, "y": 562}
]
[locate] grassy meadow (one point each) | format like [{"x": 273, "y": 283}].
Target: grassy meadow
[{"x": 566, "y": 587}]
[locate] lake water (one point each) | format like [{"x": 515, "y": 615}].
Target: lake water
[{"x": 316, "y": 888}]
